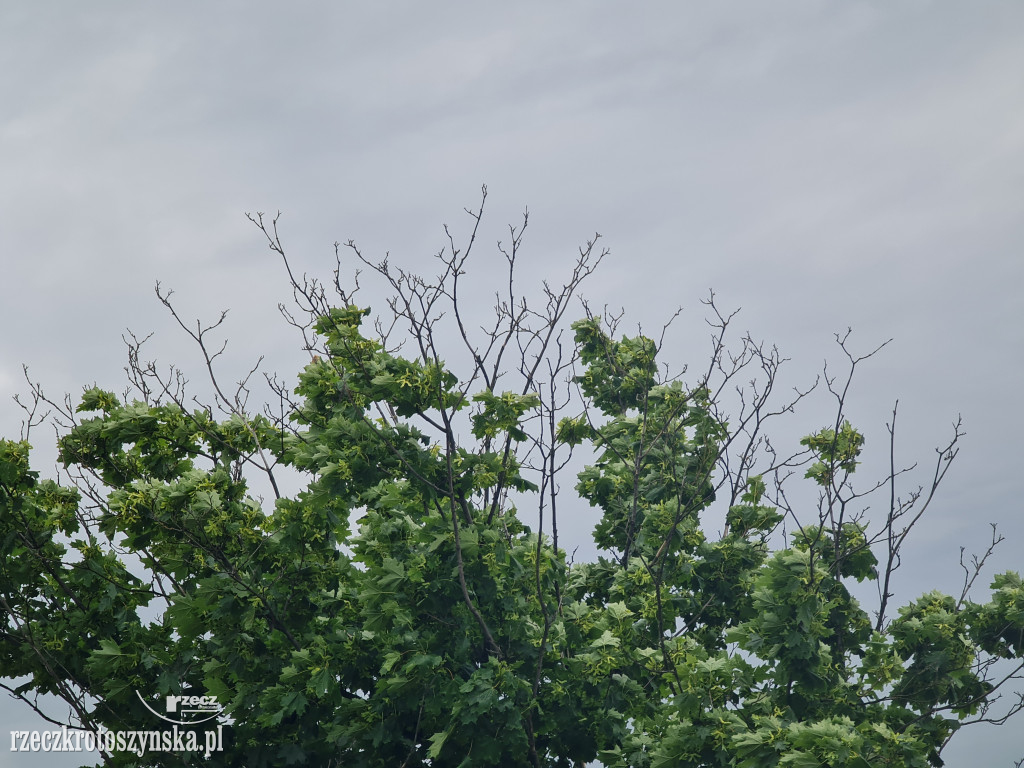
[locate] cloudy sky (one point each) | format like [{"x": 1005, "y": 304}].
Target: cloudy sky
[{"x": 821, "y": 165}]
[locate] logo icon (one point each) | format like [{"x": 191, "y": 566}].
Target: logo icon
[{"x": 191, "y": 710}]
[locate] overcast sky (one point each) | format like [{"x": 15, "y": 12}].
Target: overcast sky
[{"x": 821, "y": 165}]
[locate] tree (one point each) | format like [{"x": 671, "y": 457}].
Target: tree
[{"x": 412, "y": 606}]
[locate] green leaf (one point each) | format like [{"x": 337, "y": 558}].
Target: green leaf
[{"x": 437, "y": 741}]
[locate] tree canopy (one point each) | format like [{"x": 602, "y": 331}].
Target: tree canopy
[{"x": 412, "y": 605}]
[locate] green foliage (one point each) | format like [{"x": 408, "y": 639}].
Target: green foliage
[
  {"x": 834, "y": 451},
  {"x": 444, "y": 630}
]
